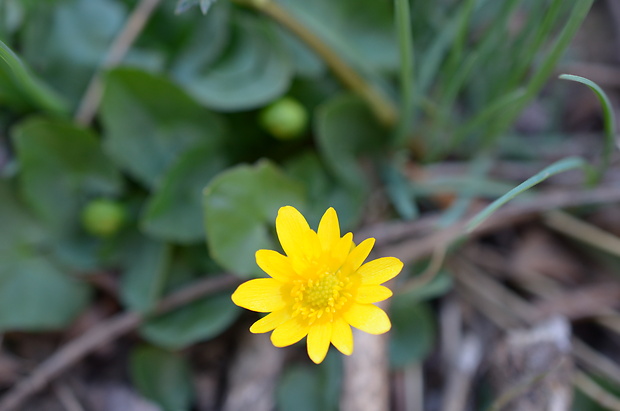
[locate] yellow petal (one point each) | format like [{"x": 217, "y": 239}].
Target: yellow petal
[
  {"x": 291, "y": 227},
  {"x": 270, "y": 321},
  {"x": 329, "y": 229},
  {"x": 359, "y": 254},
  {"x": 288, "y": 333},
  {"x": 262, "y": 295},
  {"x": 310, "y": 251},
  {"x": 340, "y": 252},
  {"x": 368, "y": 294},
  {"x": 380, "y": 270},
  {"x": 274, "y": 264},
  {"x": 342, "y": 337},
  {"x": 368, "y": 318},
  {"x": 319, "y": 336}
]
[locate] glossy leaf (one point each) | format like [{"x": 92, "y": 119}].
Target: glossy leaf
[
  {"x": 361, "y": 31},
  {"x": 150, "y": 123},
  {"x": 35, "y": 293},
  {"x": 254, "y": 69},
  {"x": 147, "y": 264},
  {"x": 198, "y": 321},
  {"x": 205, "y": 5},
  {"x": 19, "y": 229},
  {"x": 66, "y": 40},
  {"x": 304, "y": 388},
  {"x": 162, "y": 376},
  {"x": 176, "y": 207},
  {"x": 206, "y": 43},
  {"x": 240, "y": 207},
  {"x": 324, "y": 190},
  {"x": 413, "y": 332},
  {"x": 21, "y": 90},
  {"x": 347, "y": 130},
  {"x": 61, "y": 166}
]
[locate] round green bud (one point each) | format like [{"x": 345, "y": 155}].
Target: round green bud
[
  {"x": 285, "y": 119},
  {"x": 103, "y": 217}
]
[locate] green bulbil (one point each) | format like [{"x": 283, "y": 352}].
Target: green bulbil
[
  {"x": 285, "y": 119},
  {"x": 103, "y": 217}
]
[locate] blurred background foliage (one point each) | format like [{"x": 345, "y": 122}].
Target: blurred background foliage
[{"x": 220, "y": 113}]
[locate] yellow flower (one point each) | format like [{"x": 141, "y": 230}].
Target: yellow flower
[{"x": 320, "y": 288}]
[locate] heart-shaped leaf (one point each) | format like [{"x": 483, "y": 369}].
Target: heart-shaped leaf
[{"x": 240, "y": 207}]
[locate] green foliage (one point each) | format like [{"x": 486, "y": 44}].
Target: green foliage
[
  {"x": 61, "y": 166},
  {"x": 35, "y": 291},
  {"x": 302, "y": 388},
  {"x": 253, "y": 69},
  {"x": 20, "y": 90},
  {"x": 366, "y": 39},
  {"x": 162, "y": 376},
  {"x": 179, "y": 144},
  {"x": 146, "y": 272},
  {"x": 150, "y": 122},
  {"x": 240, "y": 208},
  {"x": 413, "y": 332},
  {"x": 200, "y": 320},
  {"x": 66, "y": 40},
  {"x": 346, "y": 130}
]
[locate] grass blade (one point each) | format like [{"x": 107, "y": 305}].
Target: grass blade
[
  {"x": 608, "y": 120},
  {"x": 35, "y": 91},
  {"x": 555, "y": 168},
  {"x": 405, "y": 41}
]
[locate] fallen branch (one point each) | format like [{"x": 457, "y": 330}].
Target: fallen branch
[
  {"x": 409, "y": 250},
  {"x": 104, "y": 333}
]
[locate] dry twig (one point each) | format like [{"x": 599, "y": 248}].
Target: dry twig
[
  {"x": 119, "y": 48},
  {"x": 101, "y": 334}
]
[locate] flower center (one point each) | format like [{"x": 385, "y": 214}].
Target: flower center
[{"x": 321, "y": 296}]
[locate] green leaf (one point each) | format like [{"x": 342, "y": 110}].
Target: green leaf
[
  {"x": 162, "y": 376},
  {"x": 305, "y": 61},
  {"x": 324, "y": 191},
  {"x": 240, "y": 207},
  {"x": 303, "y": 388},
  {"x": 438, "y": 286},
  {"x": 253, "y": 70},
  {"x": 198, "y": 321},
  {"x": 19, "y": 229},
  {"x": 346, "y": 130},
  {"x": 361, "y": 31},
  {"x": 20, "y": 89},
  {"x": 65, "y": 41},
  {"x": 61, "y": 167},
  {"x": 183, "y": 5},
  {"x": 175, "y": 210},
  {"x": 413, "y": 331},
  {"x": 35, "y": 293},
  {"x": 146, "y": 269},
  {"x": 207, "y": 42},
  {"x": 150, "y": 123}
]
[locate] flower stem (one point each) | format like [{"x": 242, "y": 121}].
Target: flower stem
[{"x": 383, "y": 108}]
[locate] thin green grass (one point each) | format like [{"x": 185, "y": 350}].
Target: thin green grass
[
  {"x": 405, "y": 41},
  {"x": 609, "y": 123},
  {"x": 561, "y": 166}
]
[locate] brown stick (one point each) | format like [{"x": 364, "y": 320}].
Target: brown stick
[
  {"x": 119, "y": 48},
  {"x": 101, "y": 334},
  {"x": 414, "y": 249}
]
